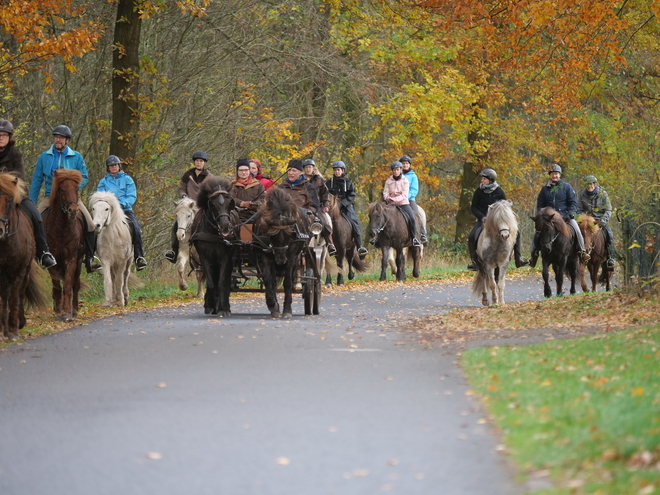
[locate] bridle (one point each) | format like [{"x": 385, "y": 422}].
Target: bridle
[
  {"x": 65, "y": 206},
  {"x": 7, "y": 221}
]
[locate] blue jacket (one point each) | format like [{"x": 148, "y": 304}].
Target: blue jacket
[
  {"x": 43, "y": 170},
  {"x": 560, "y": 196},
  {"x": 122, "y": 186},
  {"x": 413, "y": 180}
]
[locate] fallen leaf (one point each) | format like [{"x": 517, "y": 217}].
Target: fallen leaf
[
  {"x": 282, "y": 461},
  {"x": 155, "y": 456}
]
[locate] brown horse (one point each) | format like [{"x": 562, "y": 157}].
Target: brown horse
[
  {"x": 19, "y": 277},
  {"x": 64, "y": 231},
  {"x": 342, "y": 236},
  {"x": 594, "y": 244},
  {"x": 388, "y": 227}
]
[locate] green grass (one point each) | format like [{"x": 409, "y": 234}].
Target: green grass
[{"x": 588, "y": 409}]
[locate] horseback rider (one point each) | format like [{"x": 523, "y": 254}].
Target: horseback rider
[
  {"x": 395, "y": 193},
  {"x": 60, "y": 156},
  {"x": 11, "y": 160},
  {"x": 410, "y": 174},
  {"x": 559, "y": 195},
  {"x": 122, "y": 186},
  {"x": 488, "y": 193},
  {"x": 314, "y": 177},
  {"x": 341, "y": 186},
  {"x": 593, "y": 200},
  {"x": 191, "y": 181},
  {"x": 246, "y": 190}
]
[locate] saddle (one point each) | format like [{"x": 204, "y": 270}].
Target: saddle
[{"x": 406, "y": 217}]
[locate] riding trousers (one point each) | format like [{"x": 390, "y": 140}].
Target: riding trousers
[
  {"x": 136, "y": 234},
  {"x": 349, "y": 213},
  {"x": 408, "y": 212}
]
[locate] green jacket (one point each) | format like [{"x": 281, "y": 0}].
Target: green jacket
[{"x": 597, "y": 204}]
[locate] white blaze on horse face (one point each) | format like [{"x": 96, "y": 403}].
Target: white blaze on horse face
[{"x": 100, "y": 215}]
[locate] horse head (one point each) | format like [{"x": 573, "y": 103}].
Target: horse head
[
  {"x": 12, "y": 192},
  {"x": 501, "y": 220},
  {"x": 588, "y": 228},
  {"x": 105, "y": 210},
  {"x": 64, "y": 192},
  {"x": 281, "y": 221},
  {"x": 377, "y": 218},
  {"x": 220, "y": 206},
  {"x": 6, "y": 209},
  {"x": 549, "y": 227},
  {"x": 184, "y": 211}
]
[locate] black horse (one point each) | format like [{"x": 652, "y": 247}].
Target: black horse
[
  {"x": 214, "y": 237},
  {"x": 281, "y": 234},
  {"x": 558, "y": 248}
]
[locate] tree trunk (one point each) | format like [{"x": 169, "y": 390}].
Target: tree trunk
[{"x": 125, "y": 82}]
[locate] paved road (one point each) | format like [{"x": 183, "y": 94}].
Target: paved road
[{"x": 175, "y": 402}]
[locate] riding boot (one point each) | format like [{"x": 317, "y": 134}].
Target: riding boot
[
  {"x": 472, "y": 249},
  {"x": 611, "y": 250},
  {"x": 535, "y": 253},
  {"x": 361, "y": 250},
  {"x": 519, "y": 259},
  {"x": 172, "y": 254},
  {"x": 332, "y": 250},
  {"x": 43, "y": 253},
  {"x": 92, "y": 263}
]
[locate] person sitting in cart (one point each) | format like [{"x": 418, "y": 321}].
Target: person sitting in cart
[
  {"x": 302, "y": 191},
  {"x": 247, "y": 191}
]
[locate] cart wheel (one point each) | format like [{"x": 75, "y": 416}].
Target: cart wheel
[
  {"x": 308, "y": 289},
  {"x": 317, "y": 297}
]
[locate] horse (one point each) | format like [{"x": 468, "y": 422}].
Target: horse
[
  {"x": 281, "y": 233},
  {"x": 558, "y": 247},
  {"x": 187, "y": 260},
  {"x": 64, "y": 232},
  {"x": 342, "y": 235},
  {"x": 19, "y": 273},
  {"x": 214, "y": 235},
  {"x": 114, "y": 246},
  {"x": 594, "y": 244},
  {"x": 494, "y": 249},
  {"x": 388, "y": 229}
]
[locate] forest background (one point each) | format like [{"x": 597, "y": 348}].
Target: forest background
[{"x": 458, "y": 85}]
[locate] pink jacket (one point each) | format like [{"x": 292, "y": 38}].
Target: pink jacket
[{"x": 396, "y": 191}]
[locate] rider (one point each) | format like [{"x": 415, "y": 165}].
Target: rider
[
  {"x": 560, "y": 196},
  {"x": 60, "y": 156},
  {"x": 488, "y": 193},
  {"x": 189, "y": 186},
  {"x": 314, "y": 177},
  {"x": 246, "y": 190},
  {"x": 410, "y": 174},
  {"x": 11, "y": 160},
  {"x": 341, "y": 186},
  {"x": 593, "y": 200},
  {"x": 395, "y": 193},
  {"x": 122, "y": 186},
  {"x": 257, "y": 173}
]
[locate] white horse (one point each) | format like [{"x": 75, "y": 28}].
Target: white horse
[
  {"x": 185, "y": 210},
  {"x": 494, "y": 249},
  {"x": 114, "y": 246}
]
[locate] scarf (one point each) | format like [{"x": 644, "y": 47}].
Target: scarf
[
  {"x": 592, "y": 193},
  {"x": 397, "y": 178},
  {"x": 5, "y": 152},
  {"x": 246, "y": 181},
  {"x": 490, "y": 187},
  {"x": 298, "y": 181}
]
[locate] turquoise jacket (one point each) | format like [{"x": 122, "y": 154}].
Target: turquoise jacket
[
  {"x": 51, "y": 160},
  {"x": 122, "y": 186},
  {"x": 414, "y": 184}
]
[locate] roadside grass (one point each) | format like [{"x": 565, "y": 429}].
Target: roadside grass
[{"x": 585, "y": 412}]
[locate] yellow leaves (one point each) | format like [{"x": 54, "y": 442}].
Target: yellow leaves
[
  {"x": 546, "y": 383},
  {"x": 637, "y": 391}
]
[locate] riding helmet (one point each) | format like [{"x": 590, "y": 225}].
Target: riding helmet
[
  {"x": 396, "y": 164},
  {"x": 554, "y": 168},
  {"x": 489, "y": 174},
  {"x": 589, "y": 179},
  {"x": 339, "y": 164},
  {"x": 112, "y": 160},
  {"x": 405, "y": 158},
  {"x": 200, "y": 155},
  {"x": 309, "y": 161},
  {"x": 6, "y": 126},
  {"x": 62, "y": 130}
]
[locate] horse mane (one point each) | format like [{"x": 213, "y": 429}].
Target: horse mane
[
  {"x": 378, "y": 205},
  {"x": 117, "y": 214},
  {"x": 209, "y": 187},
  {"x": 61, "y": 176},
  {"x": 587, "y": 222},
  {"x": 279, "y": 210},
  {"x": 13, "y": 185},
  {"x": 500, "y": 213},
  {"x": 552, "y": 216},
  {"x": 183, "y": 204}
]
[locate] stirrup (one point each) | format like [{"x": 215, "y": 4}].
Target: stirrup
[
  {"x": 472, "y": 266},
  {"x": 416, "y": 243},
  {"x": 423, "y": 238},
  {"x": 332, "y": 250},
  {"x": 140, "y": 263},
  {"x": 534, "y": 258},
  {"x": 92, "y": 264},
  {"x": 47, "y": 260},
  {"x": 522, "y": 261},
  {"x": 170, "y": 256},
  {"x": 362, "y": 252},
  {"x": 584, "y": 256},
  {"x": 611, "y": 262}
]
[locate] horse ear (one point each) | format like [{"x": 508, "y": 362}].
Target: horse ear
[{"x": 175, "y": 203}]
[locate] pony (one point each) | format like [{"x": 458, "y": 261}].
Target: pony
[
  {"x": 558, "y": 248},
  {"x": 64, "y": 232},
  {"x": 388, "y": 229},
  {"x": 214, "y": 236},
  {"x": 594, "y": 244},
  {"x": 342, "y": 236},
  {"x": 19, "y": 273},
  {"x": 281, "y": 233},
  {"x": 185, "y": 210},
  {"x": 494, "y": 249},
  {"x": 114, "y": 246}
]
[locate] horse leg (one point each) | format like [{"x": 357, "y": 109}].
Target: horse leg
[
  {"x": 571, "y": 267},
  {"x": 340, "y": 267},
  {"x": 270, "y": 288},
  {"x": 67, "y": 293},
  {"x": 400, "y": 265},
  {"x": 384, "y": 262},
  {"x": 547, "y": 291},
  {"x": 124, "y": 280},
  {"x": 181, "y": 265},
  {"x": 108, "y": 285},
  {"x": 200, "y": 283},
  {"x": 559, "y": 268},
  {"x": 607, "y": 275},
  {"x": 76, "y": 289},
  {"x": 350, "y": 255},
  {"x": 583, "y": 282},
  {"x": 15, "y": 300},
  {"x": 328, "y": 280},
  {"x": 416, "y": 254},
  {"x": 224, "y": 287},
  {"x": 593, "y": 272},
  {"x": 391, "y": 262},
  {"x": 4, "y": 315},
  {"x": 501, "y": 282},
  {"x": 56, "y": 280},
  {"x": 287, "y": 312}
]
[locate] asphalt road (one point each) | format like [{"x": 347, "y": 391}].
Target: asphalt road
[{"x": 175, "y": 402}]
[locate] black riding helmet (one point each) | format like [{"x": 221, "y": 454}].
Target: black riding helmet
[
  {"x": 405, "y": 158},
  {"x": 6, "y": 126},
  {"x": 200, "y": 155},
  {"x": 396, "y": 164},
  {"x": 62, "y": 130},
  {"x": 339, "y": 164},
  {"x": 489, "y": 174},
  {"x": 112, "y": 160},
  {"x": 554, "y": 168}
]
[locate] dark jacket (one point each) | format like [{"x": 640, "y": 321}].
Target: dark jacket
[
  {"x": 343, "y": 188},
  {"x": 12, "y": 161},
  {"x": 248, "y": 192},
  {"x": 303, "y": 194},
  {"x": 191, "y": 182},
  {"x": 481, "y": 201},
  {"x": 321, "y": 189},
  {"x": 561, "y": 197}
]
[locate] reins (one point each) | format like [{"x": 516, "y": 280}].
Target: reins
[{"x": 6, "y": 221}]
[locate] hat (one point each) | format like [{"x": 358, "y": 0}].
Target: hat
[
  {"x": 590, "y": 179},
  {"x": 296, "y": 164},
  {"x": 243, "y": 162}
]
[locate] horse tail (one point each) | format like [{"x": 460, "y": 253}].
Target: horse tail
[
  {"x": 134, "y": 282},
  {"x": 478, "y": 283},
  {"x": 359, "y": 264},
  {"x": 35, "y": 292}
]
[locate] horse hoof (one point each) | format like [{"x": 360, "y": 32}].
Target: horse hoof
[
  {"x": 183, "y": 287},
  {"x": 484, "y": 302},
  {"x": 64, "y": 318},
  {"x": 328, "y": 286},
  {"x": 207, "y": 310},
  {"x": 224, "y": 313},
  {"x": 107, "y": 305},
  {"x": 275, "y": 314},
  {"x": 287, "y": 315},
  {"x": 351, "y": 276}
]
